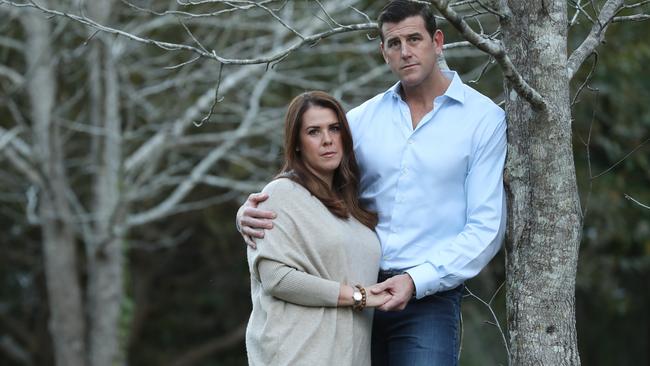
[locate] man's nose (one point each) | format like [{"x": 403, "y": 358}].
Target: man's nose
[{"x": 406, "y": 50}]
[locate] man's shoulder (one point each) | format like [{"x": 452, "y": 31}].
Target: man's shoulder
[
  {"x": 480, "y": 102},
  {"x": 367, "y": 106}
]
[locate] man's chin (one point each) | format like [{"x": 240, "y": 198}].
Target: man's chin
[{"x": 409, "y": 81}]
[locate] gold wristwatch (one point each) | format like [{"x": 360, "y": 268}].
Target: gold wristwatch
[
  {"x": 359, "y": 297},
  {"x": 356, "y": 297}
]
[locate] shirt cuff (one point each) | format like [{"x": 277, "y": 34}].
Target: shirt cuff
[{"x": 425, "y": 278}]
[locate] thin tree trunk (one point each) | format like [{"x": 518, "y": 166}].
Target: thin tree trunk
[
  {"x": 105, "y": 256},
  {"x": 544, "y": 211},
  {"x": 59, "y": 252}
]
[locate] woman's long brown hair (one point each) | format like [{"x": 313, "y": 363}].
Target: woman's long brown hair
[{"x": 343, "y": 198}]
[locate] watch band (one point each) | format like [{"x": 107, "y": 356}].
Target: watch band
[{"x": 359, "y": 297}]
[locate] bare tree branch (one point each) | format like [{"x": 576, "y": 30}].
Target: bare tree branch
[
  {"x": 595, "y": 38},
  {"x": 12, "y": 75},
  {"x": 169, "y": 46},
  {"x": 635, "y": 5},
  {"x": 11, "y": 138},
  {"x": 156, "y": 143},
  {"x": 637, "y": 202},
  {"x": 631, "y": 18},
  {"x": 199, "y": 15},
  {"x": 23, "y": 165},
  {"x": 165, "y": 207},
  {"x": 12, "y": 44},
  {"x": 494, "y": 49},
  {"x": 12, "y": 349},
  {"x": 622, "y": 160},
  {"x": 587, "y": 79},
  {"x": 495, "y": 319}
]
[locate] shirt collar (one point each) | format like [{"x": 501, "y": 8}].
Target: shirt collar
[{"x": 455, "y": 90}]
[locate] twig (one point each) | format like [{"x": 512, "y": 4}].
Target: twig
[
  {"x": 214, "y": 102},
  {"x": 328, "y": 14},
  {"x": 582, "y": 86},
  {"x": 362, "y": 14},
  {"x": 168, "y": 204},
  {"x": 192, "y": 36},
  {"x": 631, "y": 18},
  {"x": 594, "y": 39},
  {"x": 168, "y": 46},
  {"x": 484, "y": 69},
  {"x": 496, "y": 323},
  {"x": 182, "y": 64},
  {"x": 589, "y": 170},
  {"x": 194, "y": 15},
  {"x": 623, "y": 159},
  {"x": 637, "y": 202},
  {"x": 635, "y": 5}
]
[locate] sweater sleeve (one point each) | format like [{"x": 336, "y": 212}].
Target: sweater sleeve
[
  {"x": 283, "y": 261},
  {"x": 297, "y": 287}
]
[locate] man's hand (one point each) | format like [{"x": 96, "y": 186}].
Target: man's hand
[
  {"x": 400, "y": 286},
  {"x": 253, "y": 221},
  {"x": 377, "y": 300}
]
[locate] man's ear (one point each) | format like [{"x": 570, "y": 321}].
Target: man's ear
[
  {"x": 381, "y": 50},
  {"x": 438, "y": 40}
]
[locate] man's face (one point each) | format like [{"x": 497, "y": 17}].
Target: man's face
[{"x": 410, "y": 51}]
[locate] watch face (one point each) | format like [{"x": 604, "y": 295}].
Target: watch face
[{"x": 357, "y": 296}]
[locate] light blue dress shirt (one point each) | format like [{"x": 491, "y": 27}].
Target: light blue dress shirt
[{"x": 438, "y": 188}]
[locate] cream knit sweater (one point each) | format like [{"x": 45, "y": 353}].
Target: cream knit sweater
[{"x": 296, "y": 273}]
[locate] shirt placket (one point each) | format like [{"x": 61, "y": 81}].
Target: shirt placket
[{"x": 405, "y": 182}]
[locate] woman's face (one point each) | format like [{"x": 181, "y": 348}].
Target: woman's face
[{"x": 320, "y": 142}]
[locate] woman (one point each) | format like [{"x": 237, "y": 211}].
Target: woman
[{"x": 308, "y": 274}]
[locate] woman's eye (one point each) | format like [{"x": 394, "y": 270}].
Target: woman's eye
[{"x": 312, "y": 132}]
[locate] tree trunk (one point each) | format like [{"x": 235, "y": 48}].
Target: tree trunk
[
  {"x": 544, "y": 218},
  {"x": 59, "y": 252},
  {"x": 104, "y": 251}
]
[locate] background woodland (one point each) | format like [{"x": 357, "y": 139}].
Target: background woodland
[{"x": 122, "y": 164}]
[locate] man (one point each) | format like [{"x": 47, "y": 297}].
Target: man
[{"x": 431, "y": 152}]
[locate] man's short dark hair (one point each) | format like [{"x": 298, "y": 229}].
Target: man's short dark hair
[{"x": 397, "y": 10}]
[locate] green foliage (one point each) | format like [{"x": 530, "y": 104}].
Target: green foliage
[{"x": 614, "y": 267}]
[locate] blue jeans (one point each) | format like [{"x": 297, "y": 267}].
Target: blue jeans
[{"x": 426, "y": 332}]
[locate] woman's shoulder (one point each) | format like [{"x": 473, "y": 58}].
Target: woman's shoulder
[
  {"x": 282, "y": 185},
  {"x": 285, "y": 191}
]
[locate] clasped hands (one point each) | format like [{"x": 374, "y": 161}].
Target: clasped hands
[{"x": 392, "y": 294}]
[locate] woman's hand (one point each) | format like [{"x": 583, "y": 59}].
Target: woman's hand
[
  {"x": 372, "y": 300},
  {"x": 401, "y": 287},
  {"x": 377, "y": 300}
]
